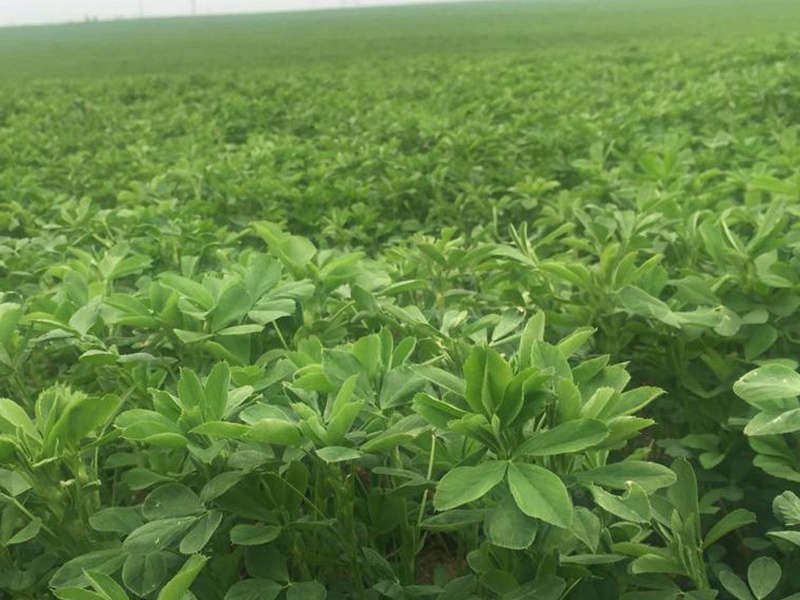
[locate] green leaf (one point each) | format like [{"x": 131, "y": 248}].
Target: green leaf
[
  {"x": 443, "y": 379},
  {"x": 792, "y": 537},
  {"x": 139, "y": 479},
  {"x": 254, "y": 535},
  {"x": 176, "y": 587},
  {"x": 150, "y": 427},
  {"x": 737, "y": 588},
  {"x": 633, "y": 505},
  {"x": 8, "y": 448},
  {"x": 600, "y": 403},
  {"x": 763, "y": 575},
  {"x": 14, "y": 482},
  {"x": 144, "y": 573},
  {"x": 398, "y": 387},
  {"x": 700, "y": 595},
  {"x": 341, "y": 422},
  {"x": 786, "y": 508},
  {"x": 436, "y": 412},
  {"x": 223, "y": 430},
  {"x": 85, "y": 415},
  {"x": 569, "y": 437},
  {"x": 499, "y": 581},
  {"x": 650, "y": 476},
  {"x": 105, "y": 585},
  {"x": 573, "y": 342},
  {"x": 116, "y": 519},
  {"x": 635, "y": 400},
  {"x": 26, "y": 534},
  {"x": 546, "y": 356},
  {"x": 171, "y": 500},
  {"x": 541, "y": 494},
  {"x": 453, "y": 520},
  {"x": 508, "y": 323},
  {"x": 98, "y": 357},
  {"x": 777, "y": 466},
  {"x": 77, "y": 594},
  {"x": 694, "y": 289},
  {"x": 190, "y": 391},
  {"x": 72, "y": 573},
  {"x": 197, "y": 537},
  {"x": 586, "y": 527},
  {"x": 275, "y": 431},
  {"x": 86, "y": 316},
  {"x": 467, "y": 484},
  {"x": 193, "y": 291},
  {"x": 10, "y": 315},
  {"x": 156, "y": 535},
  {"x": 730, "y": 522},
  {"x": 622, "y": 429},
  {"x": 239, "y": 330},
  {"x": 508, "y": 527},
  {"x": 334, "y": 454},
  {"x": 656, "y": 563},
  {"x": 486, "y": 375},
  {"x": 683, "y": 494},
  {"x": 306, "y": 590},
  {"x": 533, "y": 332},
  {"x": 403, "y": 351},
  {"x": 130, "y": 266},
  {"x": 269, "y": 562},
  {"x": 294, "y": 251},
  {"x": 367, "y": 351},
  {"x": 569, "y": 399},
  {"x": 191, "y": 337},
  {"x": 220, "y": 484},
  {"x": 523, "y": 383},
  {"x": 762, "y": 340},
  {"x": 385, "y": 441},
  {"x": 544, "y": 587},
  {"x": 231, "y": 305},
  {"x": 638, "y": 302},
  {"x": 13, "y": 417},
  {"x": 590, "y": 559},
  {"x": 344, "y": 396},
  {"x": 774, "y": 423},
  {"x": 573, "y": 272},
  {"x": 476, "y": 427},
  {"x": 729, "y": 322},
  {"x": 216, "y": 392},
  {"x": 767, "y": 384},
  {"x": 773, "y": 185},
  {"x": 254, "y": 589}
]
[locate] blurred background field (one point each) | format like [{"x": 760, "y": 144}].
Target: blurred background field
[{"x": 342, "y": 37}]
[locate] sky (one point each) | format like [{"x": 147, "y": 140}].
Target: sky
[{"x": 22, "y": 12}]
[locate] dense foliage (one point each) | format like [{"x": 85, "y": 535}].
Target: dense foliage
[{"x": 517, "y": 327}]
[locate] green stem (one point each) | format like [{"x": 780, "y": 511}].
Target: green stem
[
  {"x": 280, "y": 335},
  {"x": 431, "y": 459},
  {"x": 27, "y": 513},
  {"x": 348, "y": 488}
]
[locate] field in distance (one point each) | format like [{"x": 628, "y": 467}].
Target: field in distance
[{"x": 297, "y": 40}]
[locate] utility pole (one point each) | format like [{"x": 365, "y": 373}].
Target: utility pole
[
  {"x": 194, "y": 8},
  {"x": 141, "y": 9}
]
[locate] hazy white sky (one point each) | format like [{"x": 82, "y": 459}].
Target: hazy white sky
[{"x": 18, "y": 12}]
